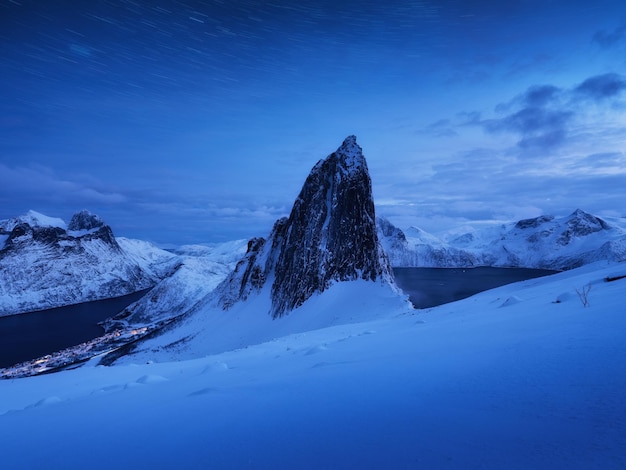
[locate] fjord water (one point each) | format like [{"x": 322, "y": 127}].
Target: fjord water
[
  {"x": 31, "y": 335},
  {"x": 429, "y": 287}
]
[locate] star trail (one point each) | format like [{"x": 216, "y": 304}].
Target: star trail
[{"x": 197, "y": 121}]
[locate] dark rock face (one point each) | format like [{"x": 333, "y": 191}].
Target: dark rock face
[
  {"x": 534, "y": 222},
  {"x": 91, "y": 227},
  {"x": 331, "y": 231},
  {"x": 23, "y": 234},
  {"x": 253, "y": 269},
  {"x": 330, "y": 236},
  {"x": 85, "y": 220},
  {"x": 249, "y": 275}
]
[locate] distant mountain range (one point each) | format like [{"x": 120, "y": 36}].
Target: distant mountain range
[
  {"x": 45, "y": 263},
  {"x": 545, "y": 242}
]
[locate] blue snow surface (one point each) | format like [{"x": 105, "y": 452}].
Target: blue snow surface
[{"x": 523, "y": 376}]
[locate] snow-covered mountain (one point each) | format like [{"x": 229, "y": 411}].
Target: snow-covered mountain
[
  {"x": 330, "y": 236},
  {"x": 545, "y": 242},
  {"x": 420, "y": 249},
  {"x": 198, "y": 270},
  {"x": 322, "y": 258},
  {"x": 45, "y": 263}
]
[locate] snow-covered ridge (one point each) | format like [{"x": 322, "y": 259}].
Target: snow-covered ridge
[
  {"x": 546, "y": 242},
  {"x": 32, "y": 218},
  {"x": 45, "y": 263},
  {"x": 420, "y": 249}
]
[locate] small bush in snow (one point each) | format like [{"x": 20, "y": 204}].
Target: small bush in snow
[{"x": 583, "y": 295}]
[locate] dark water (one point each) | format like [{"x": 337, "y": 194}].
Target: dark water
[
  {"x": 31, "y": 335},
  {"x": 429, "y": 287}
]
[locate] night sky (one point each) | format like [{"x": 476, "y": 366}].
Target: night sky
[{"x": 188, "y": 122}]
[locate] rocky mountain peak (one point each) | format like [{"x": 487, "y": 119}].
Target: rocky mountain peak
[
  {"x": 347, "y": 160},
  {"x": 534, "y": 222},
  {"x": 351, "y": 154},
  {"x": 330, "y": 236},
  {"x": 581, "y": 223},
  {"x": 85, "y": 220},
  {"x": 35, "y": 228}
]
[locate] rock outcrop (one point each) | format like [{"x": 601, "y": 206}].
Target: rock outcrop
[
  {"x": 85, "y": 220},
  {"x": 330, "y": 236}
]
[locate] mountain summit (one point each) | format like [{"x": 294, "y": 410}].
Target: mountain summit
[
  {"x": 330, "y": 236},
  {"x": 85, "y": 220}
]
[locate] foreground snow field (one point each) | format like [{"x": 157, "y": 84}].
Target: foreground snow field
[{"x": 523, "y": 376}]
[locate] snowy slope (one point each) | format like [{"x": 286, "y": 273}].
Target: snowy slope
[
  {"x": 43, "y": 264},
  {"x": 209, "y": 329},
  {"x": 198, "y": 270},
  {"x": 150, "y": 258},
  {"x": 523, "y": 376},
  {"x": 544, "y": 242},
  {"x": 227, "y": 252}
]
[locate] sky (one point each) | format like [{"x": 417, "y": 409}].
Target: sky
[{"x": 184, "y": 122}]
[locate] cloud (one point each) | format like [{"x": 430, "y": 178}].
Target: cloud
[
  {"x": 194, "y": 221},
  {"x": 537, "y": 96},
  {"x": 156, "y": 213},
  {"x": 608, "y": 39},
  {"x": 544, "y": 115},
  {"x": 550, "y": 149},
  {"x": 544, "y": 140},
  {"x": 538, "y": 127},
  {"x": 35, "y": 186},
  {"x": 442, "y": 128},
  {"x": 602, "y": 86},
  {"x": 482, "y": 184},
  {"x": 604, "y": 163},
  {"x": 541, "y": 95},
  {"x": 531, "y": 120}
]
